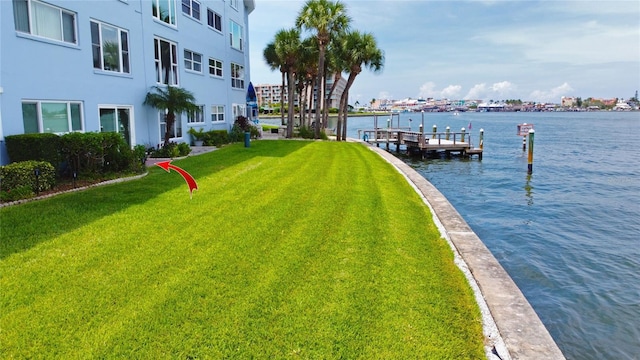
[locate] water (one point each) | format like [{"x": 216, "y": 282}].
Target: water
[{"x": 568, "y": 234}]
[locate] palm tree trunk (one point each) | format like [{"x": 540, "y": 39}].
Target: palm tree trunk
[
  {"x": 344, "y": 103},
  {"x": 319, "y": 87},
  {"x": 282, "y": 99},
  {"x": 291, "y": 92},
  {"x": 170, "y": 119},
  {"x": 336, "y": 78}
]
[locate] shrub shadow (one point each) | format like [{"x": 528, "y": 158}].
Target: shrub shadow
[{"x": 26, "y": 225}]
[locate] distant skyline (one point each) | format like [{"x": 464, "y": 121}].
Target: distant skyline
[{"x": 486, "y": 50}]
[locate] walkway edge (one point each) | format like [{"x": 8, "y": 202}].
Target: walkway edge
[{"x": 512, "y": 328}]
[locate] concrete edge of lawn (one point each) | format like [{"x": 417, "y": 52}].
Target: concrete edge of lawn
[{"x": 511, "y": 327}]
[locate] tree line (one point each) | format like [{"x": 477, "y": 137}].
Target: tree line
[{"x": 332, "y": 48}]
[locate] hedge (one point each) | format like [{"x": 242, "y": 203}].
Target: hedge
[
  {"x": 87, "y": 153},
  {"x": 215, "y": 138},
  {"x": 39, "y": 147}
]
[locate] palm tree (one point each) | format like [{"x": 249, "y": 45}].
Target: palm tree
[
  {"x": 274, "y": 62},
  {"x": 173, "y": 100},
  {"x": 356, "y": 49},
  {"x": 325, "y": 18},
  {"x": 332, "y": 66},
  {"x": 287, "y": 46},
  {"x": 306, "y": 70},
  {"x": 308, "y": 73}
]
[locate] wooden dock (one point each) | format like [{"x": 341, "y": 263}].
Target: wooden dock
[{"x": 423, "y": 143}]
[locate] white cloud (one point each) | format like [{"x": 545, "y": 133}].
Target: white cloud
[
  {"x": 498, "y": 91},
  {"x": 503, "y": 89},
  {"x": 451, "y": 92},
  {"x": 428, "y": 90},
  {"x": 384, "y": 95},
  {"x": 477, "y": 92},
  {"x": 552, "y": 95}
]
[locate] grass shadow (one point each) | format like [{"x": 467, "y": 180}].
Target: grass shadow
[{"x": 26, "y": 225}]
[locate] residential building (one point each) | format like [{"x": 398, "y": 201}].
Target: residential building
[
  {"x": 566, "y": 101},
  {"x": 269, "y": 94},
  {"x": 87, "y": 65}
]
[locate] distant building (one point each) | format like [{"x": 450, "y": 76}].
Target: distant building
[
  {"x": 269, "y": 94},
  {"x": 622, "y": 106},
  {"x": 568, "y": 101},
  {"x": 86, "y": 66}
]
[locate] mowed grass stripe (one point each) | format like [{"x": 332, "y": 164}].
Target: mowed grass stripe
[{"x": 287, "y": 249}]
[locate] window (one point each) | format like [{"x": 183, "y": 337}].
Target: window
[
  {"x": 234, "y": 4},
  {"x": 176, "y": 129},
  {"x": 239, "y": 110},
  {"x": 192, "y": 61},
  {"x": 237, "y": 76},
  {"x": 110, "y": 48},
  {"x": 235, "y": 35},
  {"x": 215, "y": 67},
  {"x": 51, "y": 22},
  {"x": 217, "y": 113},
  {"x": 164, "y": 10},
  {"x": 116, "y": 119},
  {"x": 214, "y": 20},
  {"x": 52, "y": 116},
  {"x": 166, "y": 55},
  {"x": 191, "y": 8},
  {"x": 197, "y": 116}
]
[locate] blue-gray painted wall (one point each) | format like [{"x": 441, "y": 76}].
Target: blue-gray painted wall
[{"x": 33, "y": 68}]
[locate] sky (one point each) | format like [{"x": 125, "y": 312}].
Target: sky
[{"x": 480, "y": 50}]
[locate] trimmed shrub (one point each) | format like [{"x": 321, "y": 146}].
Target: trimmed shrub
[
  {"x": 216, "y": 138},
  {"x": 306, "y": 132},
  {"x": 19, "y": 174},
  {"x": 172, "y": 150},
  {"x": 92, "y": 153},
  {"x": 184, "y": 149},
  {"x": 39, "y": 147},
  {"x": 139, "y": 153},
  {"x": 240, "y": 126}
]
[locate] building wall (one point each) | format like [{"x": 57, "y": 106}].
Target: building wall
[{"x": 35, "y": 68}]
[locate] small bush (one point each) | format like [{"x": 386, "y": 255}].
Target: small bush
[
  {"x": 240, "y": 126},
  {"x": 306, "y": 132},
  {"x": 236, "y": 134},
  {"x": 139, "y": 158},
  {"x": 20, "y": 174},
  {"x": 172, "y": 150},
  {"x": 184, "y": 149},
  {"x": 216, "y": 138}
]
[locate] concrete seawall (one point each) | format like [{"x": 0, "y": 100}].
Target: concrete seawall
[{"x": 512, "y": 328}]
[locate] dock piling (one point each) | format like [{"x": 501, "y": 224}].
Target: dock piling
[
  {"x": 447, "y": 133},
  {"x": 530, "y": 157}
]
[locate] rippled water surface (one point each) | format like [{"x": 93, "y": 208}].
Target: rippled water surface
[{"x": 568, "y": 234}]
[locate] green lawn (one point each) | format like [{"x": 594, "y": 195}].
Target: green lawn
[{"x": 288, "y": 249}]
